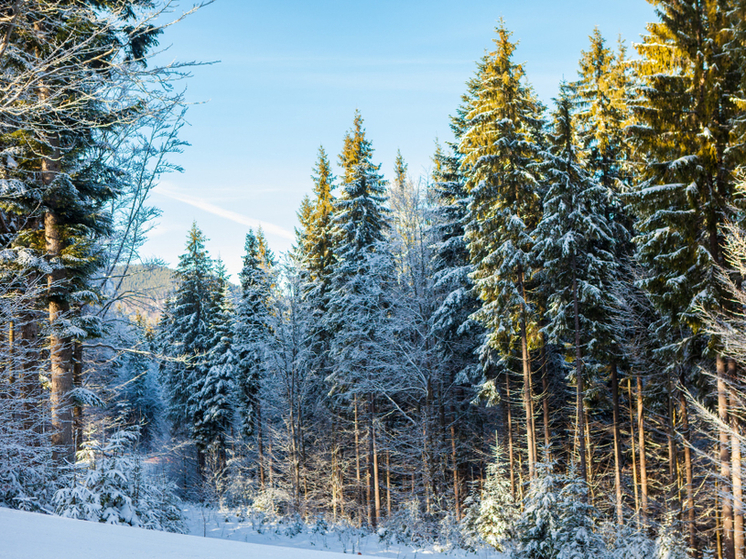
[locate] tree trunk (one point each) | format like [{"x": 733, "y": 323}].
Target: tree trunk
[
  {"x": 738, "y": 538},
  {"x": 509, "y": 421},
  {"x": 259, "y": 440},
  {"x": 725, "y": 474},
  {"x": 60, "y": 347},
  {"x": 528, "y": 393},
  {"x": 545, "y": 399},
  {"x": 632, "y": 446},
  {"x": 643, "y": 468},
  {"x": 374, "y": 460},
  {"x": 388, "y": 484},
  {"x": 673, "y": 458},
  {"x": 357, "y": 443},
  {"x": 270, "y": 460},
  {"x": 78, "y": 383},
  {"x": 580, "y": 411},
  {"x": 690, "y": 512},
  {"x": 28, "y": 351},
  {"x": 617, "y": 446},
  {"x": 335, "y": 466},
  {"x": 454, "y": 459}
]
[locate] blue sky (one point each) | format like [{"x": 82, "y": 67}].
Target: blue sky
[{"x": 291, "y": 74}]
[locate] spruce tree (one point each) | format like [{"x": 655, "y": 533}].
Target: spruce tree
[
  {"x": 212, "y": 397},
  {"x": 139, "y": 400},
  {"x": 252, "y": 330},
  {"x": 497, "y": 511},
  {"x": 500, "y": 147},
  {"x": 360, "y": 304},
  {"x": 400, "y": 171},
  {"x": 573, "y": 243},
  {"x": 539, "y": 520},
  {"x": 68, "y": 74},
  {"x": 690, "y": 146},
  {"x": 577, "y": 536},
  {"x": 185, "y": 335},
  {"x": 458, "y": 335},
  {"x": 455, "y": 335},
  {"x": 316, "y": 244}
]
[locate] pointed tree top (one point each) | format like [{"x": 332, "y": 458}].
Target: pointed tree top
[
  {"x": 400, "y": 171},
  {"x": 356, "y": 149}
]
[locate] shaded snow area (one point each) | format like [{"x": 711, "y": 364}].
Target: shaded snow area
[
  {"x": 25, "y": 535},
  {"x": 214, "y": 535},
  {"x": 258, "y": 529}
]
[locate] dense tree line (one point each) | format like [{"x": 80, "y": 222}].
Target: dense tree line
[
  {"x": 547, "y": 289},
  {"x": 542, "y": 338}
]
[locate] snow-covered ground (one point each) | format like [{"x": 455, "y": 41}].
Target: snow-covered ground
[
  {"x": 25, "y": 535},
  {"x": 230, "y": 525},
  {"x": 214, "y": 535}
]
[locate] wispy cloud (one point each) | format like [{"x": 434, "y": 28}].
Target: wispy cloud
[{"x": 204, "y": 205}]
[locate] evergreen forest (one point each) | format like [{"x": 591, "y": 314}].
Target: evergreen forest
[{"x": 538, "y": 350}]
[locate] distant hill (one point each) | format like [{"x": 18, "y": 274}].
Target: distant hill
[{"x": 144, "y": 290}]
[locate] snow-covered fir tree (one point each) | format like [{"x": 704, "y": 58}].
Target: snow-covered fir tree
[
  {"x": 252, "y": 331},
  {"x": 539, "y": 520},
  {"x": 139, "y": 399},
  {"x": 109, "y": 485},
  {"x": 185, "y": 336},
  {"x": 577, "y": 535},
  {"x": 500, "y": 149},
  {"x": 498, "y": 512},
  {"x": 455, "y": 335},
  {"x": 574, "y": 245},
  {"x": 213, "y": 403},
  {"x": 361, "y": 303}
]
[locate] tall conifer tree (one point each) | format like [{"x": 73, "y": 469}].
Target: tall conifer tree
[
  {"x": 691, "y": 73},
  {"x": 574, "y": 243},
  {"x": 252, "y": 330},
  {"x": 500, "y": 150},
  {"x": 185, "y": 334},
  {"x": 360, "y": 302}
]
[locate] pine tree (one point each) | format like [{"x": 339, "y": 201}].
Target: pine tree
[
  {"x": 317, "y": 257},
  {"x": 456, "y": 335},
  {"x": 139, "y": 399},
  {"x": 577, "y": 536},
  {"x": 184, "y": 333},
  {"x": 252, "y": 329},
  {"x": 68, "y": 74},
  {"x": 400, "y": 171},
  {"x": 539, "y": 521},
  {"x": 213, "y": 402},
  {"x": 603, "y": 95},
  {"x": 573, "y": 243},
  {"x": 500, "y": 149},
  {"x": 497, "y": 511},
  {"x": 360, "y": 299},
  {"x": 687, "y": 134},
  {"x": 115, "y": 488}
]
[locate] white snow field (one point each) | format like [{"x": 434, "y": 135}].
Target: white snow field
[
  {"x": 25, "y": 535},
  {"x": 228, "y": 525}
]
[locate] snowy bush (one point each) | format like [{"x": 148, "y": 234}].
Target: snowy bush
[
  {"x": 497, "y": 511},
  {"x": 539, "y": 521},
  {"x": 108, "y": 484},
  {"x": 558, "y": 522},
  {"x": 632, "y": 543},
  {"x": 406, "y": 526},
  {"x": 670, "y": 543},
  {"x": 30, "y": 488},
  {"x": 272, "y": 502}
]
